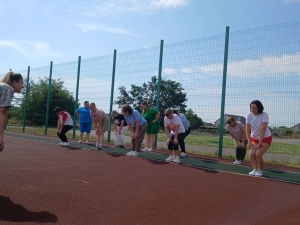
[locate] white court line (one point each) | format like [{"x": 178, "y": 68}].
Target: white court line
[{"x": 182, "y": 164}]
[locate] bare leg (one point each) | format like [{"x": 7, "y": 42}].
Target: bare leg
[
  {"x": 259, "y": 153},
  {"x": 81, "y": 135},
  {"x": 98, "y": 139},
  {"x": 148, "y": 140},
  {"x": 102, "y": 137},
  {"x": 152, "y": 136},
  {"x": 252, "y": 155},
  {"x": 88, "y": 136},
  {"x": 177, "y": 152}
]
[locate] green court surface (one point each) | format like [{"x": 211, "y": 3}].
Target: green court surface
[{"x": 279, "y": 175}]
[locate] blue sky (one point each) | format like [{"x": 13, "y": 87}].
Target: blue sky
[
  {"x": 35, "y": 32},
  {"x": 263, "y": 63}
]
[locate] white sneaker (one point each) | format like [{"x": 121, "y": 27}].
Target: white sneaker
[
  {"x": 235, "y": 162},
  {"x": 65, "y": 144},
  {"x": 80, "y": 141},
  {"x": 253, "y": 172},
  {"x": 129, "y": 153},
  {"x": 135, "y": 153},
  {"x": 259, "y": 173},
  {"x": 145, "y": 149},
  {"x": 60, "y": 143},
  {"x": 170, "y": 158},
  {"x": 183, "y": 154},
  {"x": 150, "y": 149},
  {"x": 240, "y": 162},
  {"x": 87, "y": 142},
  {"x": 177, "y": 159}
]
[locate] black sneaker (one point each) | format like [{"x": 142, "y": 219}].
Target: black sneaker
[{"x": 121, "y": 146}]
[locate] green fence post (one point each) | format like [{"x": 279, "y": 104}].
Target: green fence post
[
  {"x": 76, "y": 98},
  {"x": 159, "y": 80},
  {"x": 223, "y": 92},
  {"x": 48, "y": 98},
  {"x": 112, "y": 93},
  {"x": 25, "y": 106}
]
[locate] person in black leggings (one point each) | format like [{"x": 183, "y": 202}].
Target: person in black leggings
[{"x": 64, "y": 124}]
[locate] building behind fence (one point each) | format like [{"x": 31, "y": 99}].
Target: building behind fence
[{"x": 261, "y": 63}]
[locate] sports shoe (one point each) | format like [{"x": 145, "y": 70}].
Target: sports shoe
[
  {"x": 170, "y": 158},
  {"x": 252, "y": 173},
  {"x": 259, "y": 173},
  {"x": 177, "y": 159},
  {"x": 183, "y": 154},
  {"x": 145, "y": 149},
  {"x": 135, "y": 153},
  {"x": 235, "y": 162},
  {"x": 240, "y": 162},
  {"x": 87, "y": 142},
  {"x": 60, "y": 143},
  {"x": 129, "y": 153},
  {"x": 80, "y": 141},
  {"x": 65, "y": 144},
  {"x": 121, "y": 146},
  {"x": 150, "y": 149}
]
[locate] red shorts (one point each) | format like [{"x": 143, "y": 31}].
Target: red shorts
[{"x": 267, "y": 140}]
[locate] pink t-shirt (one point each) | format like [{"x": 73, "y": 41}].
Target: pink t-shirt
[
  {"x": 98, "y": 115},
  {"x": 236, "y": 131}
]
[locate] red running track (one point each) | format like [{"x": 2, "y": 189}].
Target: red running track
[{"x": 46, "y": 183}]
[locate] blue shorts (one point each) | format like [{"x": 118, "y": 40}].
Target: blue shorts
[{"x": 85, "y": 127}]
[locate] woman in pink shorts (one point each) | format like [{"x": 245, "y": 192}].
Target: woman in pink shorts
[{"x": 260, "y": 138}]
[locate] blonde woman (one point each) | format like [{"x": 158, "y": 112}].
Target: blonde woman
[
  {"x": 101, "y": 122},
  {"x": 121, "y": 128},
  {"x": 11, "y": 83}
]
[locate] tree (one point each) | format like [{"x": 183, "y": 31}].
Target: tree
[
  {"x": 171, "y": 96},
  {"x": 193, "y": 118},
  {"x": 37, "y": 101},
  {"x": 286, "y": 132}
]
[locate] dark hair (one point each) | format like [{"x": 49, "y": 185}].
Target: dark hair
[
  {"x": 230, "y": 119},
  {"x": 146, "y": 104},
  {"x": 176, "y": 111},
  {"x": 85, "y": 102},
  {"x": 127, "y": 108},
  {"x": 58, "y": 109},
  {"x": 258, "y": 104},
  {"x": 92, "y": 103}
]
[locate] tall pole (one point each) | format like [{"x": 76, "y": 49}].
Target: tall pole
[
  {"x": 48, "y": 98},
  {"x": 25, "y": 106},
  {"x": 159, "y": 80},
  {"x": 112, "y": 93},
  {"x": 223, "y": 92},
  {"x": 76, "y": 98}
]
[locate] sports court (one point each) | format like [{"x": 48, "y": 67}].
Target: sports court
[{"x": 42, "y": 182}]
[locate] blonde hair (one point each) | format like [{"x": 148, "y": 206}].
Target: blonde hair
[
  {"x": 168, "y": 112},
  {"x": 115, "y": 113},
  {"x": 10, "y": 77},
  {"x": 146, "y": 104}
]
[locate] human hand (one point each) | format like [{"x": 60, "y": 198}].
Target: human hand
[
  {"x": 153, "y": 121},
  {"x": 136, "y": 135},
  {"x": 133, "y": 136},
  {"x": 169, "y": 140},
  {"x": 242, "y": 145},
  {"x": 175, "y": 141},
  {"x": 119, "y": 131}
]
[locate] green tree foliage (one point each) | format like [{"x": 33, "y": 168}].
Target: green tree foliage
[
  {"x": 171, "y": 96},
  {"x": 287, "y": 132},
  {"x": 193, "y": 118},
  {"x": 37, "y": 102}
]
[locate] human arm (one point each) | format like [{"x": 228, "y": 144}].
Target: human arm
[
  {"x": 131, "y": 130},
  {"x": 264, "y": 126},
  {"x": 122, "y": 125},
  {"x": 116, "y": 127},
  {"x": 176, "y": 134},
  {"x": 168, "y": 134},
  {"x": 244, "y": 137},
  {"x": 78, "y": 114},
  {"x": 156, "y": 118},
  {"x": 3, "y": 118},
  {"x": 248, "y": 135},
  {"x": 137, "y": 126}
]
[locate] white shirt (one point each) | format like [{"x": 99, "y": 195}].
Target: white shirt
[
  {"x": 171, "y": 123},
  {"x": 255, "y": 124},
  {"x": 66, "y": 117}
]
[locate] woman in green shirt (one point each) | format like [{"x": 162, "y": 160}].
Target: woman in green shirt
[{"x": 151, "y": 115}]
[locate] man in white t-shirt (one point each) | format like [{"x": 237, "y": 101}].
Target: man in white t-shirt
[{"x": 174, "y": 123}]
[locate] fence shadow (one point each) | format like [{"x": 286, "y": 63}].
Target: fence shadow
[{"x": 10, "y": 211}]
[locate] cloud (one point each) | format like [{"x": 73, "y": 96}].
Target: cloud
[
  {"x": 169, "y": 71},
  {"x": 30, "y": 49},
  {"x": 99, "y": 27},
  {"x": 263, "y": 66},
  {"x": 113, "y": 8}
]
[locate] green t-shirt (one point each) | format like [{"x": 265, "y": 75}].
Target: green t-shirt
[{"x": 150, "y": 115}]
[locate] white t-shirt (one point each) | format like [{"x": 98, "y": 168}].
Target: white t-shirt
[
  {"x": 255, "y": 124},
  {"x": 66, "y": 117},
  {"x": 172, "y": 122}
]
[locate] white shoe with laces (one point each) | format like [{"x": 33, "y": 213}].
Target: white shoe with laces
[
  {"x": 129, "y": 153},
  {"x": 80, "y": 141},
  {"x": 183, "y": 154},
  {"x": 170, "y": 158},
  {"x": 177, "y": 159},
  {"x": 135, "y": 154},
  {"x": 145, "y": 149},
  {"x": 60, "y": 143},
  {"x": 259, "y": 173},
  {"x": 253, "y": 172},
  {"x": 65, "y": 144},
  {"x": 87, "y": 142},
  {"x": 240, "y": 162},
  {"x": 235, "y": 162},
  {"x": 150, "y": 149}
]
